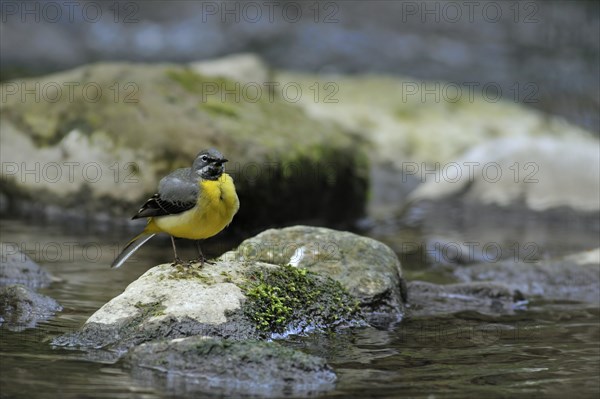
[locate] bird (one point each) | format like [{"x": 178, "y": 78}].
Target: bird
[{"x": 192, "y": 203}]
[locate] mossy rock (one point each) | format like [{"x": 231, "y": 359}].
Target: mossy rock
[
  {"x": 134, "y": 123},
  {"x": 288, "y": 298},
  {"x": 369, "y": 270},
  {"x": 228, "y": 299}
]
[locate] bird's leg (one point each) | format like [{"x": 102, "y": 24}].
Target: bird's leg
[
  {"x": 177, "y": 261},
  {"x": 201, "y": 257}
]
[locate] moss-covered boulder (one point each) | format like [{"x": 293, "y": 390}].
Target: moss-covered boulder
[
  {"x": 241, "y": 298},
  {"x": 229, "y": 299},
  {"x": 368, "y": 269},
  {"x": 259, "y": 368},
  {"x": 98, "y": 138}
]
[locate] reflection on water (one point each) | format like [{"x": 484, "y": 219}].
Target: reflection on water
[{"x": 550, "y": 348}]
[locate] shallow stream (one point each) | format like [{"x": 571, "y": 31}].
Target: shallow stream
[{"x": 549, "y": 347}]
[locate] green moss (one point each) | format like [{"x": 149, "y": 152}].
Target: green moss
[
  {"x": 291, "y": 297},
  {"x": 227, "y": 277}
]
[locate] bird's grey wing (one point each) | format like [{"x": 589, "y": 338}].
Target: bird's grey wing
[{"x": 177, "y": 193}]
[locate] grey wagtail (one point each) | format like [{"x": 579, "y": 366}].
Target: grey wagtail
[{"x": 193, "y": 203}]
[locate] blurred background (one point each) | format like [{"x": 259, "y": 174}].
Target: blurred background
[{"x": 551, "y": 44}]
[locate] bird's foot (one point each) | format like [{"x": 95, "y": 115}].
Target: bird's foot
[
  {"x": 178, "y": 262},
  {"x": 202, "y": 260}
]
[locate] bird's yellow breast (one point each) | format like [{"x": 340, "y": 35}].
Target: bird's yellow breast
[{"x": 216, "y": 205}]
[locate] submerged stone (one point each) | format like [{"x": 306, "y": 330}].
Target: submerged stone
[
  {"x": 572, "y": 278},
  {"x": 428, "y": 299},
  {"x": 18, "y": 268},
  {"x": 248, "y": 367},
  {"x": 21, "y": 307}
]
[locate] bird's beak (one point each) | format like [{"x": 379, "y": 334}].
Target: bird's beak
[{"x": 222, "y": 161}]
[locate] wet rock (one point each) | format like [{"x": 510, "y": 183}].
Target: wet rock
[
  {"x": 21, "y": 307},
  {"x": 428, "y": 299},
  {"x": 230, "y": 299},
  {"x": 277, "y": 153},
  {"x": 447, "y": 250},
  {"x": 574, "y": 278},
  {"x": 454, "y": 231},
  {"x": 456, "y": 249},
  {"x": 249, "y": 367},
  {"x": 167, "y": 302},
  {"x": 368, "y": 269},
  {"x": 18, "y": 268}
]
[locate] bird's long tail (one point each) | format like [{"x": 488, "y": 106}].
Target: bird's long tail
[{"x": 131, "y": 247}]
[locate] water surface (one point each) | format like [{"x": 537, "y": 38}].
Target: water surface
[{"x": 548, "y": 348}]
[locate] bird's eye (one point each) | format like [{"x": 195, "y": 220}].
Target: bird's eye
[{"x": 204, "y": 158}]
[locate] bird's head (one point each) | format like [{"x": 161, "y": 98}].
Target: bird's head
[{"x": 209, "y": 164}]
